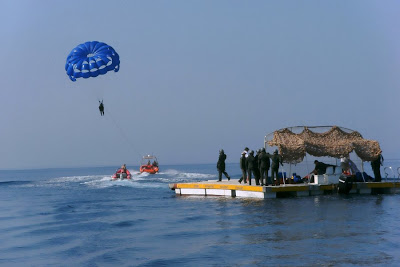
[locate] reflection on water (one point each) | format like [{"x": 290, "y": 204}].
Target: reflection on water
[
  {"x": 347, "y": 229},
  {"x": 85, "y": 219}
]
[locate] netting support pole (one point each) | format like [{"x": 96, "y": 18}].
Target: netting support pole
[{"x": 362, "y": 168}]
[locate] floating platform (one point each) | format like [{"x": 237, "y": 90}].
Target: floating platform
[{"x": 234, "y": 189}]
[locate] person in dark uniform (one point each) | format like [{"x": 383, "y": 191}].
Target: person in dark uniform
[
  {"x": 251, "y": 167},
  {"x": 320, "y": 167},
  {"x": 256, "y": 167},
  {"x": 101, "y": 108},
  {"x": 264, "y": 164},
  {"x": 246, "y": 151},
  {"x": 221, "y": 166},
  {"x": 376, "y": 167},
  {"x": 243, "y": 167},
  {"x": 276, "y": 160}
]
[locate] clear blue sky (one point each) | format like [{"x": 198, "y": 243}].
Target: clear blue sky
[{"x": 195, "y": 77}]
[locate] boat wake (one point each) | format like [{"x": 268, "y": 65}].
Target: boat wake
[
  {"x": 175, "y": 174},
  {"x": 138, "y": 180}
]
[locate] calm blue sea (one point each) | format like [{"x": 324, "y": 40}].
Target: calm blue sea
[{"x": 78, "y": 217}]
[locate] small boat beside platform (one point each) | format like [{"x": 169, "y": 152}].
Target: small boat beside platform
[{"x": 234, "y": 189}]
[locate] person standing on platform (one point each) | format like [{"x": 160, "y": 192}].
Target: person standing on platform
[
  {"x": 320, "y": 167},
  {"x": 243, "y": 167},
  {"x": 256, "y": 167},
  {"x": 251, "y": 168},
  {"x": 246, "y": 152},
  {"x": 264, "y": 164},
  {"x": 276, "y": 160},
  {"x": 376, "y": 167},
  {"x": 221, "y": 166}
]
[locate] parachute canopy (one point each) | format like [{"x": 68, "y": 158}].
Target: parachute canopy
[
  {"x": 91, "y": 59},
  {"x": 331, "y": 141}
]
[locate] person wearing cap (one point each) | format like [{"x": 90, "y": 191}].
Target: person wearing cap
[
  {"x": 243, "y": 167},
  {"x": 246, "y": 151},
  {"x": 221, "y": 166},
  {"x": 276, "y": 160}
]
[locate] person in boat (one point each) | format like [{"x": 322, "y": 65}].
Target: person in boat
[
  {"x": 320, "y": 167},
  {"x": 276, "y": 159},
  {"x": 123, "y": 172},
  {"x": 264, "y": 165},
  {"x": 376, "y": 167},
  {"x": 155, "y": 164},
  {"x": 251, "y": 167},
  {"x": 221, "y": 166},
  {"x": 101, "y": 108},
  {"x": 243, "y": 167},
  {"x": 345, "y": 165}
]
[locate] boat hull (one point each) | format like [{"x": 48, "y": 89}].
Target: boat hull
[
  {"x": 121, "y": 176},
  {"x": 149, "y": 169}
]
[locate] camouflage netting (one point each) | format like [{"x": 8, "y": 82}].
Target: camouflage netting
[{"x": 332, "y": 143}]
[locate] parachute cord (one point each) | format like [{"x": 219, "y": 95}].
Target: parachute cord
[
  {"x": 98, "y": 93},
  {"x": 109, "y": 114}
]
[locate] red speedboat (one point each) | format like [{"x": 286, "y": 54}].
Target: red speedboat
[
  {"x": 122, "y": 173},
  {"x": 149, "y": 164}
]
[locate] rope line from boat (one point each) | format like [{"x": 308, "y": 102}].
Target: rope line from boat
[{"x": 122, "y": 132}]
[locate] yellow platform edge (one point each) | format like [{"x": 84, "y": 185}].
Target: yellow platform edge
[{"x": 281, "y": 188}]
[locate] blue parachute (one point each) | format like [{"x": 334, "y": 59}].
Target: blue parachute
[{"x": 91, "y": 59}]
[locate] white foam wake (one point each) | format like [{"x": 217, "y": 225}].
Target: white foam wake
[{"x": 141, "y": 180}]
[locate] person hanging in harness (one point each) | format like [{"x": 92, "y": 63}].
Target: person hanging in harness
[{"x": 101, "y": 108}]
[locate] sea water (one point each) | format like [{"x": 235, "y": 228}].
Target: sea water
[{"x": 79, "y": 217}]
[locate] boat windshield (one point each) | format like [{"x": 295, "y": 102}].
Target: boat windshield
[{"x": 149, "y": 159}]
